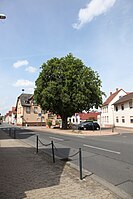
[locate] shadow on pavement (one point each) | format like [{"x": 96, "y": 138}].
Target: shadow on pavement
[
  {"x": 21, "y": 170},
  {"x": 17, "y": 132}
]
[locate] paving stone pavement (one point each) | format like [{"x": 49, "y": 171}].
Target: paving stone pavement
[{"x": 24, "y": 174}]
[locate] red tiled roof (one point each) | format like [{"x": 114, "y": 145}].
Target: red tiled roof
[
  {"x": 111, "y": 97},
  {"x": 87, "y": 116}
]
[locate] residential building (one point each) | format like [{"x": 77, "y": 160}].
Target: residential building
[
  {"x": 29, "y": 113},
  {"x": 123, "y": 111},
  {"x": 13, "y": 115},
  {"x": 7, "y": 117},
  {"x": 107, "y": 110},
  {"x": 10, "y": 117},
  {"x": 81, "y": 117}
]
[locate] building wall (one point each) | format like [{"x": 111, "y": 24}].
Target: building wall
[
  {"x": 124, "y": 118},
  {"x": 33, "y": 116},
  {"x": 107, "y": 112},
  {"x": 13, "y": 119},
  {"x": 19, "y": 113}
]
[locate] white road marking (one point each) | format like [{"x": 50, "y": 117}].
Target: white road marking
[
  {"x": 94, "y": 147},
  {"x": 56, "y": 138},
  {"x": 81, "y": 136}
]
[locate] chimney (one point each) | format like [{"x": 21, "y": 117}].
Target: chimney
[
  {"x": 110, "y": 93},
  {"x": 117, "y": 89}
]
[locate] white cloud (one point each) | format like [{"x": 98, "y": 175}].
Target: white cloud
[
  {"x": 31, "y": 69},
  {"x": 20, "y": 63},
  {"x": 24, "y": 83},
  {"x": 93, "y": 9}
]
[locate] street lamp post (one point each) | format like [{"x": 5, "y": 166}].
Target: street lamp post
[
  {"x": 2, "y": 16},
  {"x": 113, "y": 119}
]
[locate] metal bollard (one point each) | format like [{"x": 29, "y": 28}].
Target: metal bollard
[
  {"x": 14, "y": 135},
  {"x": 10, "y": 132},
  {"x": 53, "y": 151},
  {"x": 37, "y": 144},
  {"x": 113, "y": 128},
  {"x": 80, "y": 163}
]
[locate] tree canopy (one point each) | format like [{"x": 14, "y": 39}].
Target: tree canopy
[{"x": 66, "y": 86}]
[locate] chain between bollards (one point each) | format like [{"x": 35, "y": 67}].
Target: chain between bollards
[{"x": 80, "y": 163}]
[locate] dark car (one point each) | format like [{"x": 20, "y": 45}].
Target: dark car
[{"x": 88, "y": 126}]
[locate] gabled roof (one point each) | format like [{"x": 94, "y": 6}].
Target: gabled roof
[
  {"x": 24, "y": 99},
  {"x": 125, "y": 98},
  {"x": 14, "y": 110},
  {"x": 111, "y": 97},
  {"x": 86, "y": 116}
]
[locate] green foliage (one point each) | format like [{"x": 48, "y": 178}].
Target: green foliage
[
  {"x": 65, "y": 86},
  {"x": 49, "y": 123}
]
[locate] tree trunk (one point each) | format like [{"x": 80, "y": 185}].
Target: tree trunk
[{"x": 64, "y": 122}]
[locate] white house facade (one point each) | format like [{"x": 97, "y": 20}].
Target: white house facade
[
  {"x": 123, "y": 111},
  {"x": 107, "y": 118}
]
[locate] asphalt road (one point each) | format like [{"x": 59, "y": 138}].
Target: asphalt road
[{"x": 109, "y": 157}]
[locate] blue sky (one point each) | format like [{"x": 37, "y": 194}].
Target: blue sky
[{"x": 99, "y": 32}]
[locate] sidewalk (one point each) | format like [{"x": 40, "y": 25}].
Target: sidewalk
[
  {"x": 24, "y": 174},
  {"x": 74, "y": 132}
]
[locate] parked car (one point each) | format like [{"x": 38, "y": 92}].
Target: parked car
[{"x": 89, "y": 126}]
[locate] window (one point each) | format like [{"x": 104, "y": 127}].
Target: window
[
  {"x": 28, "y": 110},
  {"x": 116, "y": 108},
  {"x": 131, "y": 119},
  {"x": 35, "y": 110},
  {"x": 122, "y": 107},
  {"x": 130, "y": 104},
  {"x": 50, "y": 116},
  {"x": 123, "y": 119},
  {"x": 117, "y": 120}
]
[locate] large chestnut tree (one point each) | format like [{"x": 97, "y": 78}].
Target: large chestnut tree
[{"x": 66, "y": 86}]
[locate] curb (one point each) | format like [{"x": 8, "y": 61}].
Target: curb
[
  {"x": 119, "y": 192},
  {"x": 74, "y": 132}
]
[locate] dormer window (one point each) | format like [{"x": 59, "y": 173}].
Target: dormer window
[{"x": 122, "y": 106}]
